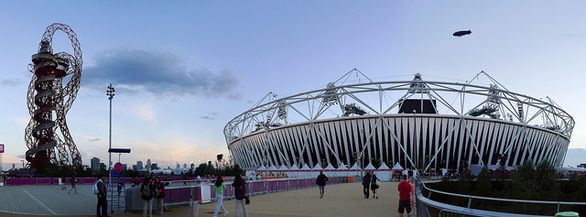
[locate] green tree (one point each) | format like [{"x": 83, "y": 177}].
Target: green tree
[
  {"x": 483, "y": 183},
  {"x": 545, "y": 178},
  {"x": 522, "y": 183}
]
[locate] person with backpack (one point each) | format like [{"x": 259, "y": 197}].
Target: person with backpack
[
  {"x": 374, "y": 186},
  {"x": 219, "y": 191},
  {"x": 101, "y": 191},
  {"x": 240, "y": 194},
  {"x": 147, "y": 193},
  {"x": 159, "y": 195},
  {"x": 366, "y": 185},
  {"x": 321, "y": 181}
]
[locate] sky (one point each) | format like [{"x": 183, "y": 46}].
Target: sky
[{"x": 183, "y": 69}]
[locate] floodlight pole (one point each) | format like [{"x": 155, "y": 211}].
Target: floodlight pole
[{"x": 110, "y": 93}]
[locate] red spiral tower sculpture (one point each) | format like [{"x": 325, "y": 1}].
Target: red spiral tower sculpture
[{"x": 49, "y": 99}]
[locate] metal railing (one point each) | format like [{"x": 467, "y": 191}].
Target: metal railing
[
  {"x": 179, "y": 195},
  {"x": 426, "y": 200}
]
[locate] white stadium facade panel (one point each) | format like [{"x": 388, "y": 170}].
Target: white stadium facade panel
[
  {"x": 425, "y": 125},
  {"x": 406, "y": 139}
]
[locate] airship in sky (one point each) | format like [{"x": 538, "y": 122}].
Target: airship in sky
[{"x": 462, "y": 33}]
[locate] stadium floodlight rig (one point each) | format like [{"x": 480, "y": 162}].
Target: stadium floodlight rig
[{"x": 47, "y": 135}]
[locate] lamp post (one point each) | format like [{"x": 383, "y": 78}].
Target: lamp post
[{"x": 110, "y": 93}]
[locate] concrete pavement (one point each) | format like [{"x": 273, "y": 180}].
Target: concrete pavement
[{"x": 342, "y": 200}]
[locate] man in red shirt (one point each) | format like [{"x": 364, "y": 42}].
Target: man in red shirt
[{"x": 405, "y": 190}]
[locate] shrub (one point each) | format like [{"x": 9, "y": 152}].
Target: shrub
[{"x": 483, "y": 183}]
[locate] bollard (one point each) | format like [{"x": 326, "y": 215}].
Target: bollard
[{"x": 567, "y": 214}]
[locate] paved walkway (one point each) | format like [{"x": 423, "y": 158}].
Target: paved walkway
[{"x": 340, "y": 200}]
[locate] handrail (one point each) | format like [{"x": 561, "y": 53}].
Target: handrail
[{"x": 503, "y": 199}]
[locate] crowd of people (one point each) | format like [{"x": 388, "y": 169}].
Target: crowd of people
[{"x": 152, "y": 192}]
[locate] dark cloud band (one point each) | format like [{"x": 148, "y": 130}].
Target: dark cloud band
[{"x": 157, "y": 73}]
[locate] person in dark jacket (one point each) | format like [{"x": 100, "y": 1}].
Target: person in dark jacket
[
  {"x": 366, "y": 185},
  {"x": 321, "y": 181},
  {"x": 147, "y": 192},
  {"x": 374, "y": 186},
  {"x": 159, "y": 195},
  {"x": 240, "y": 194},
  {"x": 102, "y": 198},
  {"x": 73, "y": 182}
]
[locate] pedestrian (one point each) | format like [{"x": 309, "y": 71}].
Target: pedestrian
[
  {"x": 147, "y": 192},
  {"x": 240, "y": 194},
  {"x": 159, "y": 195},
  {"x": 63, "y": 187},
  {"x": 102, "y": 192},
  {"x": 405, "y": 190},
  {"x": 366, "y": 185},
  {"x": 219, "y": 191},
  {"x": 120, "y": 185},
  {"x": 73, "y": 182},
  {"x": 321, "y": 181},
  {"x": 374, "y": 186}
]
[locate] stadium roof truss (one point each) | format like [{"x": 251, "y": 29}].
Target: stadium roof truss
[{"x": 339, "y": 100}]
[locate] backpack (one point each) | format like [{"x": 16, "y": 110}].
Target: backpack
[
  {"x": 145, "y": 192},
  {"x": 95, "y": 188}
]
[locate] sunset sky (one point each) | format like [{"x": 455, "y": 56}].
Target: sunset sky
[{"x": 183, "y": 69}]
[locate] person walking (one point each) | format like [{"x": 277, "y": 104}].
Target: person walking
[
  {"x": 321, "y": 181},
  {"x": 159, "y": 195},
  {"x": 102, "y": 192},
  {"x": 405, "y": 190},
  {"x": 366, "y": 185},
  {"x": 374, "y": 185},
  {"x": 240, "y": 194},
  {"x": 120, "y": 185},
  {"x": 63, "y": 187},
  {"x": 147, "y": 193},
  {"x": 73, "y": 182},
  {"x": 219, "y": 191}
]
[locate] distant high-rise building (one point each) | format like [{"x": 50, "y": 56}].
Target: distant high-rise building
[
  {"x": 149, "y": 166},
  {"x": 178, "y": 166},
  {"x": 95, "y": 164},
  {"x": 154, "y": 166},
  {"x": 103, "y": 166},
  {"x": 139, "y": 166},
  {"x": 124, "y": 167}
]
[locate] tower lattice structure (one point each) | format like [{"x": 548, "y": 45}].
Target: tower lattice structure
[{"x": 51, "y": 92}]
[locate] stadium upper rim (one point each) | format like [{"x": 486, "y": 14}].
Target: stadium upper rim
[{"x": 493, "y": 102}]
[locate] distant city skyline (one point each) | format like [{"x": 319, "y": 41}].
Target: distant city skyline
[{"x": 182, "y": 70}]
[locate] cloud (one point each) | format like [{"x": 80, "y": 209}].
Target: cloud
[
  {"x": 157, "y": 73},
  {"x": 145, "y": 112},
  {"x": 89, "y": 138},
  {"x": 210, "y": 116},
  {"x": 575, "y": 35},
  {"x": 8, "y": 82},
  {"x": 234, "y": 96}
]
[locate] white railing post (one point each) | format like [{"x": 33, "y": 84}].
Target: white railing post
[{"x": 194, "y": 206}]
